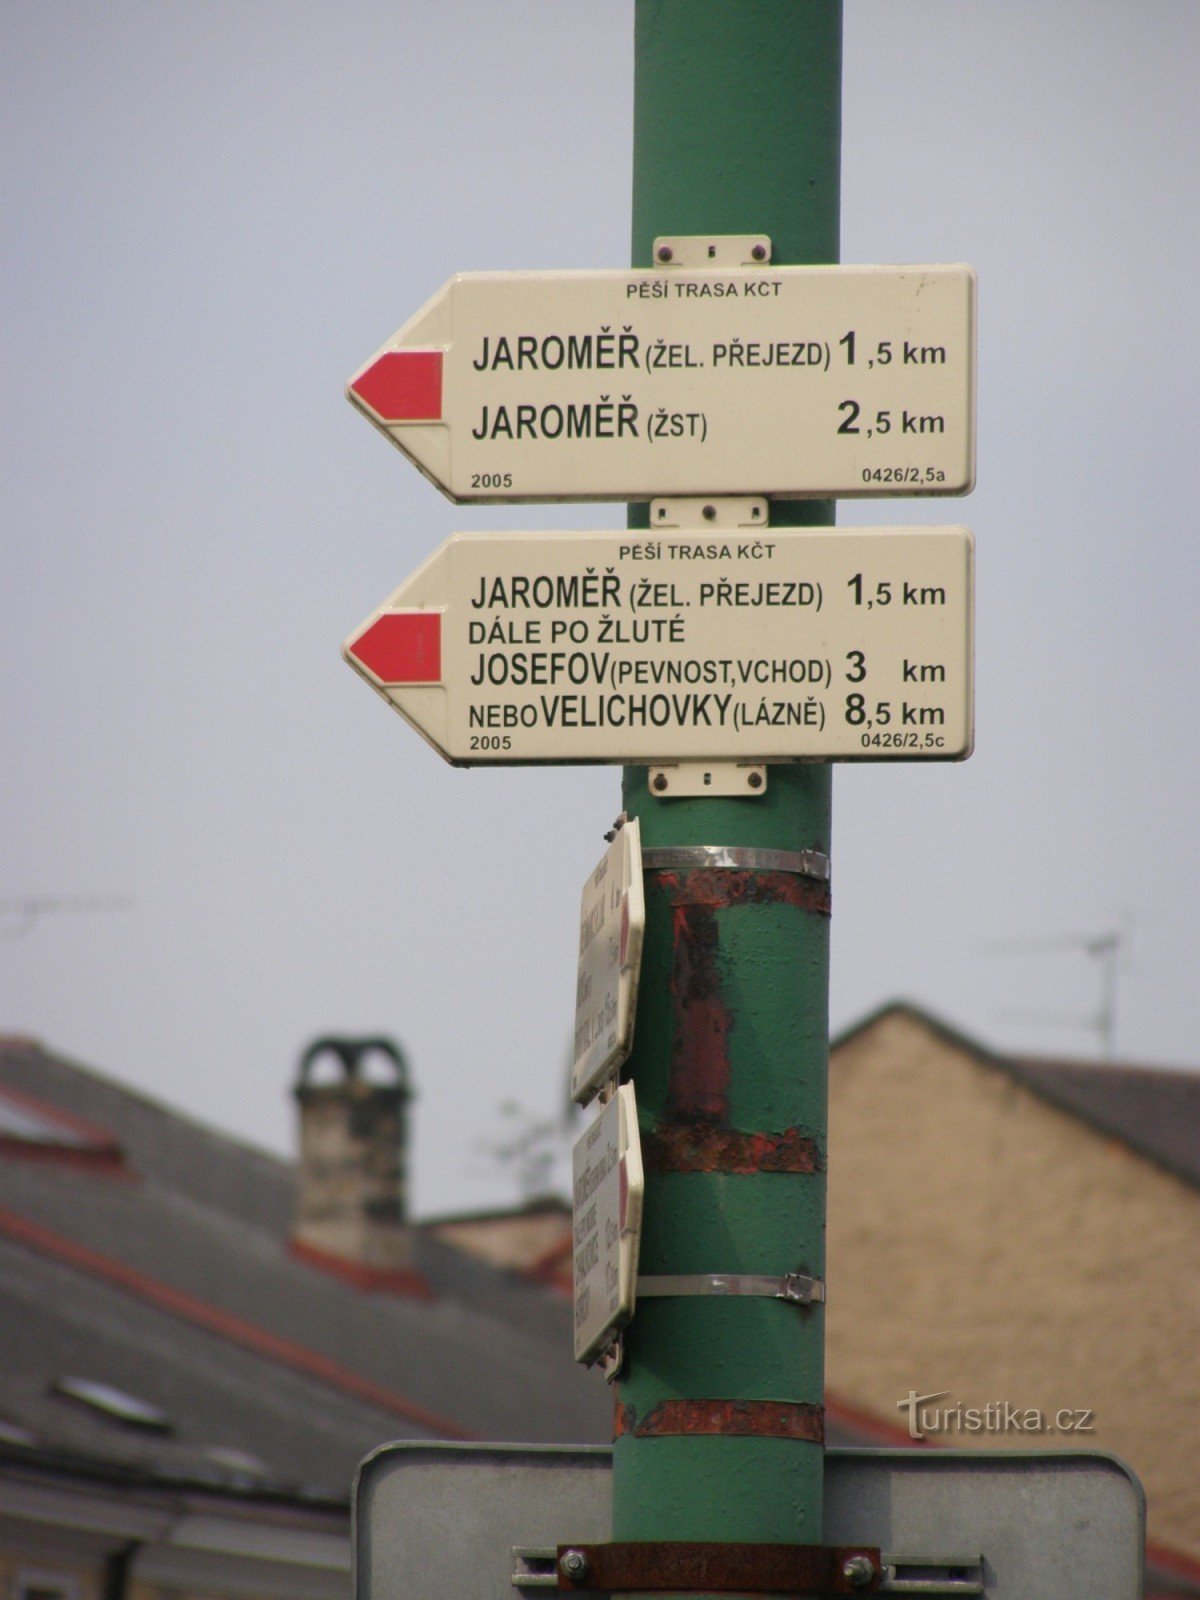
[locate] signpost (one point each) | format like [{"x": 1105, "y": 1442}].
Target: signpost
[
  {"x": 612, "y": 920},
  {"x": 607, "y": 1191},
  {"x": 734, "y": 629},
  {"x": 730, "y": 380},
  {"x": 771, "y": 645}
]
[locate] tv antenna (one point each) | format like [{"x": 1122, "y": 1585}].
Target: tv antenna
[
  {"x": 1103, "y": 948},
  {"x": 531, "y": 1149},
  {"x": 18, "y": 917}
]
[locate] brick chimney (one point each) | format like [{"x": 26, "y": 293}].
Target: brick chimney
[{"x": 351, "y": 1208}]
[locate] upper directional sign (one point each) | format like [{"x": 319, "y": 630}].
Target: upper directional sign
[
  {"x": 612, "y": 921},
  {"x": 780, "y": 644},
  {"x": 794, "y": 381}
]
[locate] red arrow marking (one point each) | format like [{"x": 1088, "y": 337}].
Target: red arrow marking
[
  {"x": 401, "y": 647},
  {"x": 403, "y": 386}
]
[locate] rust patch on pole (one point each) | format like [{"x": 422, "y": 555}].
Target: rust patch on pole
[
  {"x": 698, "y": 1085},
  {"x": 718, "y": 887},
  {"x": 680, "y": 1147},
  {"x": 743, "y": 1419}
]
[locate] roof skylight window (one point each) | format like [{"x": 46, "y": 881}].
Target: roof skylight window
[
  {"x": 31, "y": 1129},
  {"x": 239, "y": 1462},
  {"x": 113, "y": 1403}
]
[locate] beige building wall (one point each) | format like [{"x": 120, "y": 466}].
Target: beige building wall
[
  {"x": 520, "y": 1240},
  {"x": 983, "y": 1243}
]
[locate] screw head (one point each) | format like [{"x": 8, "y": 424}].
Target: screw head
[
  {"x": 665, "y": 253},
  {"x": 709, "y": 513},
  {"x": 660, "y": 782},
  {"x": 858, "y": 1571},
  {"x": 754, "y": 779},
  {"x": 759, "y": 252},
  {"x": 573, "y": 1565}
]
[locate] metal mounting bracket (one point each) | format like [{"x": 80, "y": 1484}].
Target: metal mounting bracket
[
  {"x": 612, "y": 1358},
  {"x": 932, "y": 1575},
  {"x": 720, "y": 513},
  {"x": 712, "y": 250},
  {"x": 796, "y": 1287},
  {"x": 686, "y": 780},
  {"x": 707, "y": 1568},
  {"x": 537, "y": 1567}
]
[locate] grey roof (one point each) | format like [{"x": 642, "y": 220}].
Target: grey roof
[
  {"x": 1153, "y": 1110},
  {"x": 176, "y": 1285},
  {"x": 192, "y": 1159}
]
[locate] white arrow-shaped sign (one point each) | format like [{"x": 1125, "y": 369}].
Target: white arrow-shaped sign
[
  {"x": 608, "y": 1191},
  {"x": 792, "y": 644},
  {"x": 816, "y": 381},
  {"x": 612, "y": 922}
]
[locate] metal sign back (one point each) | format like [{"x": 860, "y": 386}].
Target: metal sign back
[
  {"x": 607, "y": 1218},
  {"x": 612, "y": 921},
  {"x": 617, "y": 385},
  {"x": 481, "y": 1522},
  {"x": 786, "y": 644}
]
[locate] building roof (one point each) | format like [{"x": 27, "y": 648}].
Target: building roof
[
  {"x": 1153, "y": 1110},
  {"x": 149, "y": 1254},
  {"x": 165, "y": 1274}
]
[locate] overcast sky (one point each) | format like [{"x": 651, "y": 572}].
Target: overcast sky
[{"x": 216, "y": 210}]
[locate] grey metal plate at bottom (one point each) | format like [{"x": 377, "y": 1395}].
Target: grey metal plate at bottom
[{"x": 432, "y": 1520}]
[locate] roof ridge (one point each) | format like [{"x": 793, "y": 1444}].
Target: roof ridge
[
  {"x": 1003, "y": 1058},
  {"x": 1027, "y": 1070},
  {"x": 1102, "y": 1064}
]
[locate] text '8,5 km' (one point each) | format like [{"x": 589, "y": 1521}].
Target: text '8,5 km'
[{"x": 847, "y": 644}]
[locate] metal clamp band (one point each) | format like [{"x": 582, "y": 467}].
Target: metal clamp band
[
  {"x": 704, "y": 1568},
  {"x": 667, "y": 858},
  {"x": 796, "y": 1287},
  {"x": 537, "y": 1567}
]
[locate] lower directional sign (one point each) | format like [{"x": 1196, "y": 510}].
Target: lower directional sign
[
  {"x": 792, "y": 644},
  {"x": 608, "y": 1189}
]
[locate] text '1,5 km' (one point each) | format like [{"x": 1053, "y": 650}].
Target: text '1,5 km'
[
  {"x": 831, "y": 644},
  {"x": 817, "y": 381}
]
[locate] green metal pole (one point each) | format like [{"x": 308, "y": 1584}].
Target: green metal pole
[{"x": 719, "y": 1431}]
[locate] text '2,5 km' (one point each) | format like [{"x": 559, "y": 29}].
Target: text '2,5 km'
[{"x": 741, "y": 380}]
